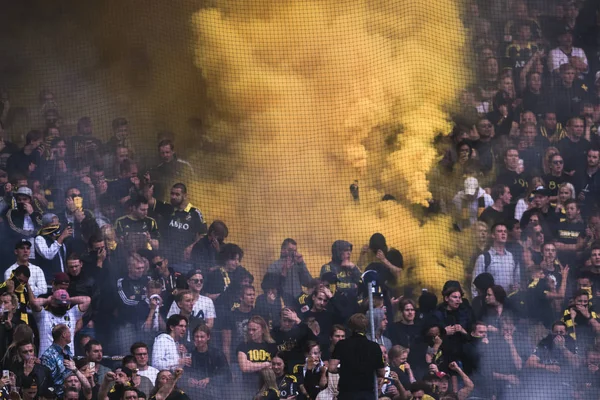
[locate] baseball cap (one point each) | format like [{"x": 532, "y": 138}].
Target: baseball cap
[
  {"x": 25, "y": 191},
  {"x": 61, "y": 296},
  {"x": 22, "y": 243},
  {"x": 61, "y": 277},
  {"x": 542, "y": 191},
  {"x": 471, "y": 186}
]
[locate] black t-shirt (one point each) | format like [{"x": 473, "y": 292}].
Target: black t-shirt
[
  {"x": 359, "y": 359},
  {"x": 256, "y": 353},
  {"x": 237, "y": 322},
  {"x": 553, "y": 182},
  {"x": 291, "y": 344},
  {"x": 326, "y": 319},
  {"x": 517, "y": 183},
  {"x": 491, "y": 216},
  {"x": 568, "y": 232}
]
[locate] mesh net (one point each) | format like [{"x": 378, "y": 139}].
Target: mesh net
[{"x": 214, "y": 159}]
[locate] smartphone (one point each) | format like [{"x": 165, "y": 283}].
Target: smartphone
[
  {"x": 5, "y": 373},
  {"x": 92, "y": 365}
]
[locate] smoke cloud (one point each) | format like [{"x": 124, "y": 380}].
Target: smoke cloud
[{"x": 310, "y": 95}]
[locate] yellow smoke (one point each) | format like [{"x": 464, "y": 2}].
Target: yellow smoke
[{"x": 306, "y": 95}]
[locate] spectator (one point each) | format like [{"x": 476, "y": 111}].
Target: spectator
[
  {"x": 138, "y": 222},
  {"x": 498, "y": 261},
  {"x": 209, "y": 372},
  {"x": 93, "y": 353},
  {"x": 256, "y": 352},
  {"x": 565, "y": 53},
  {"x": 36, "y": 280},
  {"x": 27, "y": 160},
  {"x": 291, "y": 336},
  {"x": 58, "y": 357},
  {"x": 172, "y": 168},
  {"x": 587, "y": 181},
  {"x": 54, "y": 310},
  {"x": 513, "y": 175},
  {"x": 496, "y": 213},
  {"x": 234, "y": 323},
  {"x": 141, "y": 353},
  {"x": 183, "y": 228},
  {"x": 470, "y": 203},
  {"x": 568, "y": 95},
  {"x": 50, "y": 247},
  {"x": 168, "y": 351},
  {"x": 551, "y": 129},
  {"x": 23, "y": 220},
  {"x": 205, "y": 252},
  {"x": 356, "y": 377},
  {"x": 287, "y": 385},
  {"x": 292, "y": 268}
]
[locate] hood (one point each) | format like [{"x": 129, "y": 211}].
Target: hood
[{"x": 337, "y": 248}]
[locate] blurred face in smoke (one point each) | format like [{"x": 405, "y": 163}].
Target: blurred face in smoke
[
  {"x": 166, "y": 153},
  {"x": 512, "y": 160},
  {"x": 122, "y": 154},
  {"x": 595, "y": 258},
  {"x": 122, "y": 132}
]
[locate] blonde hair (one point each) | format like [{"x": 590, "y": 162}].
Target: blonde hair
[{"x": 258, "y": 320}]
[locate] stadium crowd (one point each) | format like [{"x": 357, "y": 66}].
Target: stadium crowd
[{"x": 115, "y": 286}]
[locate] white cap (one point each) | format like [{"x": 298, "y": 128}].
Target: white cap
[{"x": 471, "y": 186}]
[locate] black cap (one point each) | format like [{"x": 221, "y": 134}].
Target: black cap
[
  {"x": 22, "y": 243},
  {"x": 542, "y": 191}
]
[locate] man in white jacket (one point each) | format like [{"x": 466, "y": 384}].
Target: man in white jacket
[
  {"x": 37, "y": 280},
  {"x": 167, "y": 352}
]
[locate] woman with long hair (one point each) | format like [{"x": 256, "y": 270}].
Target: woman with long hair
[
  {"x": 268, "y": 386},
  {"x": 547, "y": 161},
  {"x": 495, "y": 300},
  {"x": 566, "y": 191},
  {"x": 256, "y": 352}
]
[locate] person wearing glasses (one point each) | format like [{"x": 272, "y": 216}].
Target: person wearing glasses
[
  {"x": 160, "y": 270},
  {"x": 203, "y": 307},
  {"x": 140, "y": 351},
  {"x": 557, "y": 176}
]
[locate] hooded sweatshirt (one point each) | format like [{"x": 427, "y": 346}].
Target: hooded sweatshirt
[{"x": 378, "y": 315}]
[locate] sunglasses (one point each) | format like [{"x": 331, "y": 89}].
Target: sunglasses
[
  {"x": 158, "y": 264},
  {"x": 196, "y": 281},
  {"x": 557, "y": 162}
]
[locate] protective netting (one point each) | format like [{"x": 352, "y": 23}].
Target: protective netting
[{"x": 201, "y": 185}]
